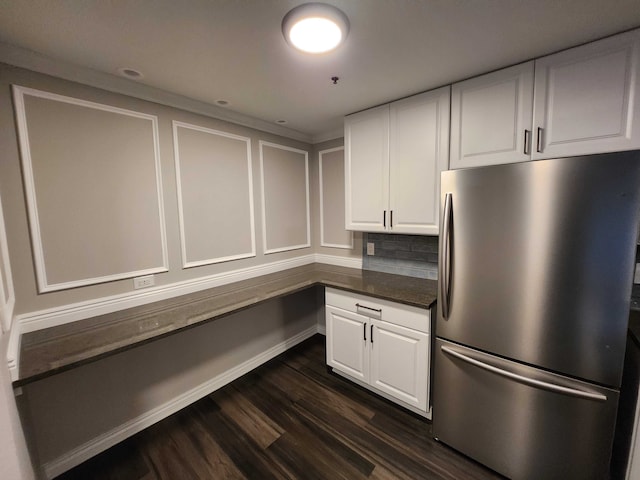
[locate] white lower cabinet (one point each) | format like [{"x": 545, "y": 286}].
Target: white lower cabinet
[{"x": 383, "y": 346}]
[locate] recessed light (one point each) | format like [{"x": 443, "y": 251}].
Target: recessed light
[
  {"x": 130, "y": 73},
  {"x": 281, "y": 122},
  {"x": 315, "y": 27},
  {"x": 222, "y": 103}
]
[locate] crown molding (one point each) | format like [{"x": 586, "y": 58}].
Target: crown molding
[{"x": 30, "y": 60}]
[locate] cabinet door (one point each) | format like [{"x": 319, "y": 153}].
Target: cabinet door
[
  {"x": 489, "y": 117},
  {"x": 347, "y": 337},
  {"x": 418, "y": 152},
  {"x": 367, "y": 169},
  {"x": 400, "y": 363},
  {"x": 587, "y": 98}
]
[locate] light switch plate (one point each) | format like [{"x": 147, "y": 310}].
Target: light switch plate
[
  {"x": 636, "y": 276},
  {"x": 371, "y": 248}
]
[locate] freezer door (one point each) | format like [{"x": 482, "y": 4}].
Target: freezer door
[
  {"x": 537, "y": 261},
  {"x": 520, "y": 421}
]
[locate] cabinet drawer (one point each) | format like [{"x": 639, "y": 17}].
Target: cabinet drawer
[{"x": 392, "y": 312}]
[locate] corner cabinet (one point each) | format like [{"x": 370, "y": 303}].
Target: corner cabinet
[
  {"x": 580, "y": 101},
  {"x": 393, "y": 158},
  {"x": 587, "y": 99},
  {"x": 383, "y": 346}
]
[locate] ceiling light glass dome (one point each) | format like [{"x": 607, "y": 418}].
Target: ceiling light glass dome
[{"x": 315, "y": 27}]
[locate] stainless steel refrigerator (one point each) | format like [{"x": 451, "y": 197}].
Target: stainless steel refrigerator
[{"x": 536, "y": 267}]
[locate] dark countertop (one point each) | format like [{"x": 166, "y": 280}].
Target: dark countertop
[{"x": 49, "y": 351}]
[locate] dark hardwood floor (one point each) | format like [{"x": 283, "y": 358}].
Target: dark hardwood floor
[{"x": 288, "y": 419}]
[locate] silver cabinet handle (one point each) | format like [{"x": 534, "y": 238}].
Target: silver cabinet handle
[
  {"x": 539, "y": 142},
  {"x": 445, "y": 257},
  {"x": 526, "y": 380},
  {"x": 527, "y": 142},
  {"x": 379, "y": 310}
]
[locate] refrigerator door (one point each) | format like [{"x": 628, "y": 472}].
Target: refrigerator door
[
  {"x": 537, "y": 259},
  {"x": 520, "y": 421}
]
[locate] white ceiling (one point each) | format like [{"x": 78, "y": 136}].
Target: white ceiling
[{"x": 209, "y": 50}]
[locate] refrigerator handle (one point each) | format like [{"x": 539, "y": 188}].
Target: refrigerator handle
[
  {"x": 444, "y": 272},
  {"x": 525, "y": 380}
]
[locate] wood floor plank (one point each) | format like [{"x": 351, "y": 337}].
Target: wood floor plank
[
  {"x": 254, "y": 423},
  {"x": 123, "y": 462},
  {"x": 205, "y": 455},
  {"x": 298, "y": 386},
  {"x": 165, "y": 455},
  {"x": 312, "y": 441},
  {"x": 288, "y": 419},
  {"x": 247, "y": 455}
]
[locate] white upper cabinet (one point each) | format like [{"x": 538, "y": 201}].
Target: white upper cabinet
[
  {"x": 491, "y": 118},
  {"x": 580, "y": 101},
  {"x": 394, "y": 156},
  {"x": 587, "y": 98},
  {"x": 367, "y": 169},
  {"x": 418, "y": 152}
]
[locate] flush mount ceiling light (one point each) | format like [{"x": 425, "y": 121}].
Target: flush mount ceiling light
[{"x": 315, "y": 27}]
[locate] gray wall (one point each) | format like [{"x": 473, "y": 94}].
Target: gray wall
[
  {"x": 76, "y": 407},
  {"x": 354, "y": 253},
  {"x": 28, "y": 298}
]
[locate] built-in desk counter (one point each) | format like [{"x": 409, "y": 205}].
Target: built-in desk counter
[{"x": 53, "y": 350}]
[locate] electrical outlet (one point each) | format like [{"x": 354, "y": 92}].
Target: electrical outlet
[
  {"x": 636, "y": 276},
  {"x": 371, "y": 248},
  {"x": 148, "y": 324},
  {"x": 144, "y": 282}
]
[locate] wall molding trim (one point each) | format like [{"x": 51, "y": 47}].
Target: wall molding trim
[
  {"x": 55, "y": 316},
  {"x": 307, "y": 244},
  {"x": 183, "y": 235},
  {"x": 99, "y": 444},
  {"x": 52, "y": 317},
  {"x": 30, "y": 60},
  {"x": 44, "y": 285},
  {"x": 7, "y": 293},
  {"x": 321, "y": 153}
]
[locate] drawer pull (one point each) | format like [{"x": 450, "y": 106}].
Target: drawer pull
[{"x": 379, "y": 310}]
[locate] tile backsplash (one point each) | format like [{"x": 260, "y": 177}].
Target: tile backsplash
[{"x": 412, "y": 255}]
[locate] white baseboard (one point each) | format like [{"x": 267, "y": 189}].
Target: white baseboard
[
  {"x": 322, "y": 330},
  {"x": 99, "y": 444}
]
